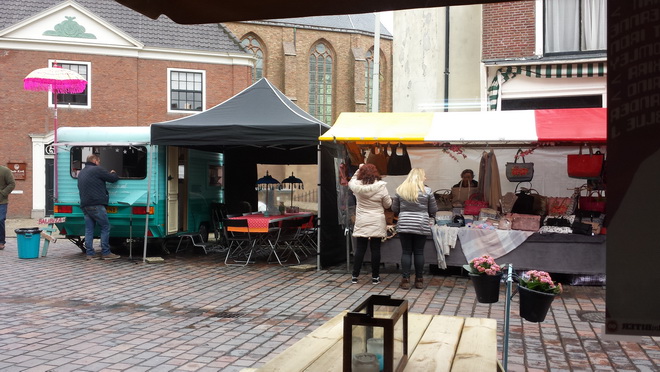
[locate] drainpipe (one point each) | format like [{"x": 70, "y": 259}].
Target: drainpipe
[{"x": 446, "y": 59}]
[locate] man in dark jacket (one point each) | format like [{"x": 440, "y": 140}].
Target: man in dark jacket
[
  {"x": 93, "y": 200},
  {"x": 7, "y": 184}
]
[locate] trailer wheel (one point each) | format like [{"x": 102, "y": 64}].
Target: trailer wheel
[{"x": 204, "y": 231}]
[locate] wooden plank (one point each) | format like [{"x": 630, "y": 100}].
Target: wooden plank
[
  {"x": 477, "y": 349},
  {"x": 303, "y": 353},
  {"x": 331, "y": 361},
  {"x": 437, "y": 347}
]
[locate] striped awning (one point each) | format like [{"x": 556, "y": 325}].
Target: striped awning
[
  {"x": 476, "y": 128},
  {"x": 573, "y": 70}
]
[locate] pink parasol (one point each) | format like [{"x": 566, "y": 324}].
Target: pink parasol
[{"x": 58, "y": 81}]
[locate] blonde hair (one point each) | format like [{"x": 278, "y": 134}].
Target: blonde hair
[{"x": 414, "y": 183}]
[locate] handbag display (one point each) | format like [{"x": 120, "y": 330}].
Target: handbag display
[
  {"x": 507, "y": 201},
  {"x": 592, "y": 203},
  {"x": 524, "y": 202},
  {"x": 473, "y": 206},
  {"x": 487, "y": 213},
  {"x": 585, "y": 165},
  {"x": 398, "y": 165},
  {"x": 378, "y": 157},
  {"x": 558, "y": 206},
  {"x": 460, "y": 194},
  {"x": 443, "y": 199},
  {"x": 540, "y": 203},
  {"x": 525, "y": 222},
  {"x": 519, "y": 172}
]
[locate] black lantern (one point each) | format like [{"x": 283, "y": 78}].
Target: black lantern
[
  {"x": 267, "y": 183},
  {"x": 293, "y": 182},
  {"x": 376, "y": 332}
]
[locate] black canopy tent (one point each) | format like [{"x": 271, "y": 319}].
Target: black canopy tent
[{"x": 261, "y": 125}]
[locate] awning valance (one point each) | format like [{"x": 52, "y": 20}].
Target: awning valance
[{"x": 586, "y": 125}]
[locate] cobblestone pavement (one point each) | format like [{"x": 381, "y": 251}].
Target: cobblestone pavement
[{"x": 193, "y": 313}]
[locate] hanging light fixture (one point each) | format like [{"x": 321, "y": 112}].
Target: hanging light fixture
[{"x": 293, "y": 182}]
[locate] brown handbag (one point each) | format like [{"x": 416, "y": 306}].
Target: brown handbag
[
  {"x": 525, "y": 222},
  {"x": 443, "y": 199}
]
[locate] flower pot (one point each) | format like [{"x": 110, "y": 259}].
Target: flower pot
[
  {"x": 487, "y": 287},
  {"x": 534, "y": 305}
]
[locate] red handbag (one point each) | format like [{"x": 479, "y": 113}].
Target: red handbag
[
  {"x": 585, "y": 165},
  {"x": 472, "y": 206},
  {"x": 592, "y": 203}
]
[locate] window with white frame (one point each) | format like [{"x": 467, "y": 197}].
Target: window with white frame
[
  {"x": 186, "y": 90},
  {"x": 76, "y": 100},
  {"x": 575, "y": 25}
]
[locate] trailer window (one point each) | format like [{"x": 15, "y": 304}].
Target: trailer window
[{"x": 130, "y": 162}]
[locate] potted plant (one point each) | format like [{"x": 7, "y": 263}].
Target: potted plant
[
  {"x": 486, "y": 276},
  {"x": 537, "y": 291}
]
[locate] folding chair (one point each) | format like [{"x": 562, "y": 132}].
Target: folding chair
[
  {"x": 240, "y": 245},
  {"x": 287, "y": 241},
  {"x": 218, "y": 214},
  {"x": 308, "y": 236}
]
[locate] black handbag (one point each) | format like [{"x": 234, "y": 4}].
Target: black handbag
[
  {"x": 519, "y": 172},
  {"x": 524, "y": 202},
  {"x": 582, "y": 228}
]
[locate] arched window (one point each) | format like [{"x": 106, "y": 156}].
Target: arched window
[
  {"x": 369, "y": 79},
  {"x": 251, "y": 43},
  {"x": 320, "y": 83}
]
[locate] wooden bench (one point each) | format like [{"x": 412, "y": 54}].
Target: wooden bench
[{"x": 436, "y": 343}]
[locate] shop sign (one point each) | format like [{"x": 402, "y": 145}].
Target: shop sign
[{"x": 18, "y": 170}]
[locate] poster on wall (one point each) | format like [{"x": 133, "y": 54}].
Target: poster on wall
[
  {"x": 633, "y": 249},
  {"x": 18, "y": 170}
]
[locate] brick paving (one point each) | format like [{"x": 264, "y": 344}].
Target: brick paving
[{"x": 193, "y": 313}]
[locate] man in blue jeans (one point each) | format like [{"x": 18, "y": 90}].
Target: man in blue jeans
[
  {"x": 93, "y": 200},
  {"x": 7, "y": 185}
]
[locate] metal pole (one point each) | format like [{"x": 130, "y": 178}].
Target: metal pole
[
  {"x": 507, "y": 313},
  {"x": 152, "y": 148}
]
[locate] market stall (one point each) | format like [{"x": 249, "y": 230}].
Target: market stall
[
  {"x": 445, "y": 143},
  {"x": 256, "y": 126}
]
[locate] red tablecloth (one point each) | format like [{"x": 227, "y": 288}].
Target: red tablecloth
[{"x": 258, "y": 223}]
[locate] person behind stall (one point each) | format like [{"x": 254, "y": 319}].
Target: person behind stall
[
  {"x": 370, "y": 225},
  {"x": 467, "y": 179},
  {"x": 415, "y": 205}
]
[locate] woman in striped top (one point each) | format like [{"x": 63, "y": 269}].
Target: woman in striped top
[{"x": 415, "y": 205}]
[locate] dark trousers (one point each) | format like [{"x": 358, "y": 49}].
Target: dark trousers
[
  {"x": 412, "y": 245},
  {"x": 360, "y": 249}
]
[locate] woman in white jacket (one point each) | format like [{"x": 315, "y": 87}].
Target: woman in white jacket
[{"x": 370, "y": 226}]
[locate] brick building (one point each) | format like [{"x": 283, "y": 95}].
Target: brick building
[
  {"x": 291, "y": 49},
  {"x": 529, "y": 54},
  {"x": 139, "y": 71}
]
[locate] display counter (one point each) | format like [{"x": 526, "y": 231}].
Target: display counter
[{"x": 555, "y": 253}]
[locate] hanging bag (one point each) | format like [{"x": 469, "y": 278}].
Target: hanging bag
[
  {"x": 519, "y": 172},
  {"x": 398, "y": 165},
  {"x": 443, "y": 199},
  {"x": 585, "y": 165}
]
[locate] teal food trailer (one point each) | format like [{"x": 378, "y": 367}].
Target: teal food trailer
[{"x": 163, "y": 191}]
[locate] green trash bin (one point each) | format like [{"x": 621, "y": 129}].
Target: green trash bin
[{"x": 28, "y": 241}]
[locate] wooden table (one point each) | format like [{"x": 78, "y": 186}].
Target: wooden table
[{"x": 436, "y": 343}]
